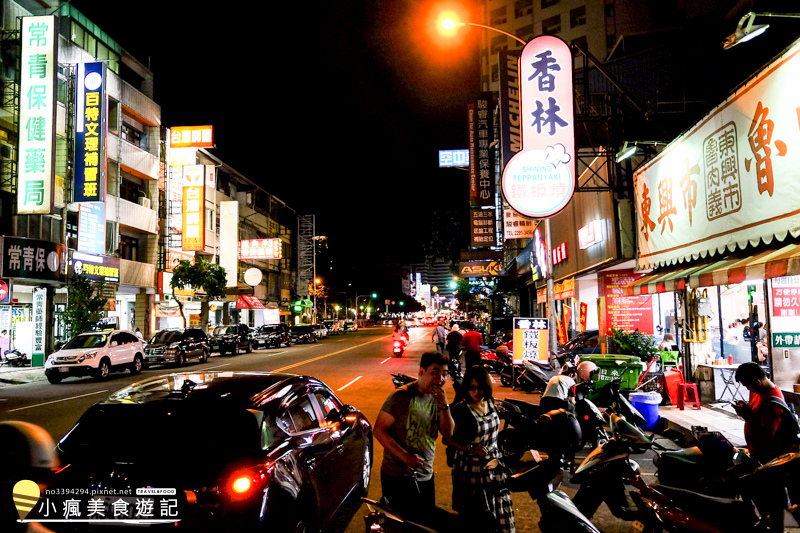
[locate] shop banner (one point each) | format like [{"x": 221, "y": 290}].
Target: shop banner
[
  {"x": 562, "y": 337},
  {"x": 96, "y": 268},
  {"x": 627, "y": 313},
  {"x": 33, "y": 259},
  {"x": 483, "y": 229},
  {"x": 731, "y": 180},
  {"x": 567, "y": 312},
  {"x": 564, "y": 289},
  {"x": 530, "y": 339},
  {"x": 584, "y": 313}
]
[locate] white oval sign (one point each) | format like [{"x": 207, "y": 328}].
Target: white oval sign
[{"x": 253, "y": 276}]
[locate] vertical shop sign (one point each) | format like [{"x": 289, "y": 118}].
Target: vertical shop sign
[
  {"x": 540, "y": 179},
  {"x": 37, "y": 116},
  {"x": 530, "y": 338},
  {"x": 510, "y": 136},
  {"x": 91, "y": 132},
  {"x": 92, "y": 228},
  {"x": 472, "y": 144},
  {"x": 39, "y": 320},
  {"x": 194, "y": 202},
  {"x": 484, "y": 122},
  {"x": 584, "y": 313},
  {"x": 229, "y": 241},
  {"x": 483, "y": 229}
]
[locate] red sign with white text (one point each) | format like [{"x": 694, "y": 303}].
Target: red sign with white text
[{"x": 627, "y": 313}]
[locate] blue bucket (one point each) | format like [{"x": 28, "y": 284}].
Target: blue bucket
[{"x": 647, "y": 403}]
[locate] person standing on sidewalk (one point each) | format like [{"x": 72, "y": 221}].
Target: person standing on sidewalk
[
  {"x": 439, "y": 336},
  {"x": 454, "y": 342},
  {"x": 407, "y": 427},
  {"x": 471, "y": 342}
]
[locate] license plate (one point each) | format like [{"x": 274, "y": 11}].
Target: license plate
[
  {"x": 637, "y": 527},
  {"x": 63, "y": 369}
]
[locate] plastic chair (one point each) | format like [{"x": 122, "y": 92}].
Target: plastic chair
[{"x": 683, "y": 395}]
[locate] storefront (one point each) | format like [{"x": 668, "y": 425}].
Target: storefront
[{"x": 717, "y": 223}]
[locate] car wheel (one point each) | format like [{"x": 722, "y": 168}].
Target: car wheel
[
  {"x": 366, "y": 471},
  {"x": 137, "y": 365},
  {"x": 54, "y": 378},
  {"x": 103, "y": 369},
  {"x": 181, "y": 359},
  {"x": 204, "y": 356}
]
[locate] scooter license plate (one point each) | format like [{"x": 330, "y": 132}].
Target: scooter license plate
[{"x": 637, "y": 527}]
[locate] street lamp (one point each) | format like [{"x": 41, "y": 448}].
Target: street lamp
[{"x": 316, "y": 239}]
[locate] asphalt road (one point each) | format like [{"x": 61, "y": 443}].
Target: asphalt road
[{"x": 357, "y": 366}]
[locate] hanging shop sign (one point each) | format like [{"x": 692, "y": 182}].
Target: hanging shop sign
[
  {"x": 174, "y": 257},
  {"x": 229, "y": 241},
  {"x": 510, "y": 136},
  {"x": 165, "y": 287},
  {"x": 453, "y": 158},
  {"x": 516, "y": 226},
  {"x": 564, "y": 289},
  {"x": 591, "y": 233},
  {"x": 92, "y": 227},
  {"x": 784, "y": 311},
  {"x": 96, "y": 268},
  {"x": 194, "y": 234},
  {"x": 627, "y": 313},
  {"x": 33, "y": 259},
  {"x": 91, "y": 133},
  {"x": 540, "y": 179},
  {"x": 559, "y": 253},
  {"x": 37, "y": 115},
  {"x": 483, "y": 171},
  {"x": 530, "y": 338},
  {"x": 483, "y": 228},
  {"x": 191, "y": 137},
  {"x": 260, "y": 249},
  {"x": 477, "y": 269},
  {"x": 731, "y": 180}
]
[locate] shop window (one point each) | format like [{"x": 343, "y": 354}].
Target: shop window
[
  {"x": 498, "y": 16},
  {"x": 552, "y": 25},
  {"x": 577, "y": 17},
  {"x": 522, "y": 8}
]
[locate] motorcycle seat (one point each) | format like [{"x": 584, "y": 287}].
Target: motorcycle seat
[
  {"x": 683, "y": 457},
  {"x": 526, "y": 409},
  {"x": 731, "y": 514},
  {"x": 536, "y": 480}
]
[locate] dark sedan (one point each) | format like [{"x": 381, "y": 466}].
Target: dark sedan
[
  {"x": 232, "y": 451},
  {"x": 272, "y": 336},
  {"x": 585, "y": 342},
  {"x": 177, "y": 346},
  {"x": 303, "y": 333}
]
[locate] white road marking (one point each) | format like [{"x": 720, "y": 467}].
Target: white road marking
[
  {"x": 387, "y": 359},
  {"x": 285, "y": 368},
  {"x": 57, "y": 401},
  {"x": 345, "y": 386},
  {"x": 218, "y": 366}
]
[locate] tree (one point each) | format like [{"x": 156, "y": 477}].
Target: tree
[
  {"x": 85, "y": 307},
  {"x": 205, "y": 275}
]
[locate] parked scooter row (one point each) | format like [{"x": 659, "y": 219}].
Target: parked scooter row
[{"x": 15, "y": 358}]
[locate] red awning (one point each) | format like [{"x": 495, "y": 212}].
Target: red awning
[{"x": 248, "y": 301}]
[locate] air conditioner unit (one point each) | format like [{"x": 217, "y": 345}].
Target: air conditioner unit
[{"x": 144, "y": 202}]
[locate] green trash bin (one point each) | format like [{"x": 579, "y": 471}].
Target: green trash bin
[{"x": 626, "y": 368}]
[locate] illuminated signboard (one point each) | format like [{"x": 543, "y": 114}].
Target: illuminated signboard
[
  {"x": 454, "y": 158},
  {"x": 96, "y": 268},
  {"x": 260, "y": 249},
  {"x": 590, "y": 234},
  {"x": 539, "y": 180},
  {"x": 193, "y": 208},
  {"x": 92, "y": 227},
  {"x": 559, "y": 253},
  {"x": 37, "y": 116},
  {"x": 90, "y": 133},
  {"x": 191, "y": 137}
]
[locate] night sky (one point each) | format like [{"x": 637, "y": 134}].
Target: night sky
[{"x": 337, "y": 108}]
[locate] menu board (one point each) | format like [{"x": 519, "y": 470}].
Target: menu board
[{"x": 627, "y": 313}]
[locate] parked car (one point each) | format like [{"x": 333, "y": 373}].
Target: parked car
[
  {"x": 585, "y": 342},
  {"x": 231, "y": 339},
  {"x": 320, "y": 330},
  {"x": 177, "y": 346},
  {"x": 350, "y": 325},
  {"x": 96, "y": 354},
  {"x": 272, "y": 336},
  {"x": 334, "y": 327},
  {"x": 243, "y": 451},
  {"x": 303, "y": 333}
]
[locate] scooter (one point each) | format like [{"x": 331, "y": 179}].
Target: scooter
[
  {"x": 609, "y": 396},
  {"x": 15, "y": 358},
  {"x": 398, "y": 347}
]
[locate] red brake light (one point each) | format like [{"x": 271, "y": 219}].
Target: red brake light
[{"x": 244, "y": 483}]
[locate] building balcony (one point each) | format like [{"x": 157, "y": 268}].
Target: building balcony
[
  {"x": 136, "y": 274},
  {"x": 134, "y": 102},
  {"x": 131, "y": 215},
  {"x": 133, "y": 160}
]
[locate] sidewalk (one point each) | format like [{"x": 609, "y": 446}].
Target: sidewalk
[
  {"x": 715, "y": 417},
  {"x": 18, "y": 375}
]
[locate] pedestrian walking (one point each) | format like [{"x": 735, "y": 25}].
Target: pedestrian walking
[
  {"x": 453, "y": 342},
  {"x": 471, "y": 342},
  {"x": 439, "y": 336}
]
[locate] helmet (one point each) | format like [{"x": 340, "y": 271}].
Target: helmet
[{"x": 586, "y": 369}]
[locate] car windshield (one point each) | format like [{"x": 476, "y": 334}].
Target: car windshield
[
  {"x": 224, "y": 330},
  {"x": 301, "y": 329},
  {"x": 89, "y": 340},
  {"x": 166, "y": 336},
  {"x": 128, "y": 432}
]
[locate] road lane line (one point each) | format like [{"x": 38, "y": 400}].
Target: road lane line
[
  {"x": 387, "y": 359},
  {"x": 324, "y": 356},
  {"x": 218, "y": 366},
  {"x": 344, "y": 387},
  {"x": 56, "y": 401}
]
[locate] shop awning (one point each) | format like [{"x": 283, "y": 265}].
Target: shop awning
[
  {"x": 248, "y": 301},
  {"x": 769, "y": 264}
]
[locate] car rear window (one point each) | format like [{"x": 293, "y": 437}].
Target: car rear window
[
  {"x": 166, "y": 336},
  {"x": 225, "y": 330}
]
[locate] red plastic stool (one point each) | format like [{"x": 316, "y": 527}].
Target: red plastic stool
[{"x": 683, "y": 395}]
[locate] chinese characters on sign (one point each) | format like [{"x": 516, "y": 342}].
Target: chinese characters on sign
[
  {"x": 540, "y": 179},
  {"x": 530, "y": 338},
  {"x": 90, "y": 133},
  {"x": 37, "y": 116},
  {"x": 33, "y": 259},
  {"x": 453, "y": 158},
  {"x": 515, "y": 226},
  {"x": 92, "y": 227},
  {"x": 484, "y": 159},
  {"x": 482, "y": 228},
  {"x": 194, "y": 203},
  {"x": 260, "y": 249},
  {"x": 720, "y": 158},
  {"x": 627, "y": 313},
  {"x": 191, "y": 137},
  {"x": 39, "y": 319}
]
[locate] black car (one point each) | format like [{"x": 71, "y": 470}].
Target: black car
[
  {"x": 233, "y": 451},
  {"x": 585, "y": 342},
  {"x": 272, "y": 336},
  {"x": 177, "y": 346},
  {"x": 303, "y": 333},
  {"x": 231, "y": 339}
]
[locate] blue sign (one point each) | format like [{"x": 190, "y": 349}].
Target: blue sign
[
  {"x": 90, "y": 133},
  {"x": 92, "y": 228},
  {"x": 453, "y": 158}
]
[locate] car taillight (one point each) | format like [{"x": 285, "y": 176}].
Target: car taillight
[{"x": 242, "y": 484}]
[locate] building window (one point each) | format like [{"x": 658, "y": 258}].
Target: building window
[
  {"x": 128, "y": 248},
  {"x": 129, "y": 191},
  {"x": 522, "y": 8},
  {"x": 577, "y": 17},
  {"x": 552, "y": 25},
  {"x": 499, "y": 43},
  {"x": 498, "y": 16},
  {"x": 609, "y": 10},
  {"x": 525, "y": 33},
  {"x": 548, "y": 3},
  {"x": 134, "y": 136}
]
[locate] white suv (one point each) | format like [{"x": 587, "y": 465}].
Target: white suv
[{"x": 98, "y": 354}]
